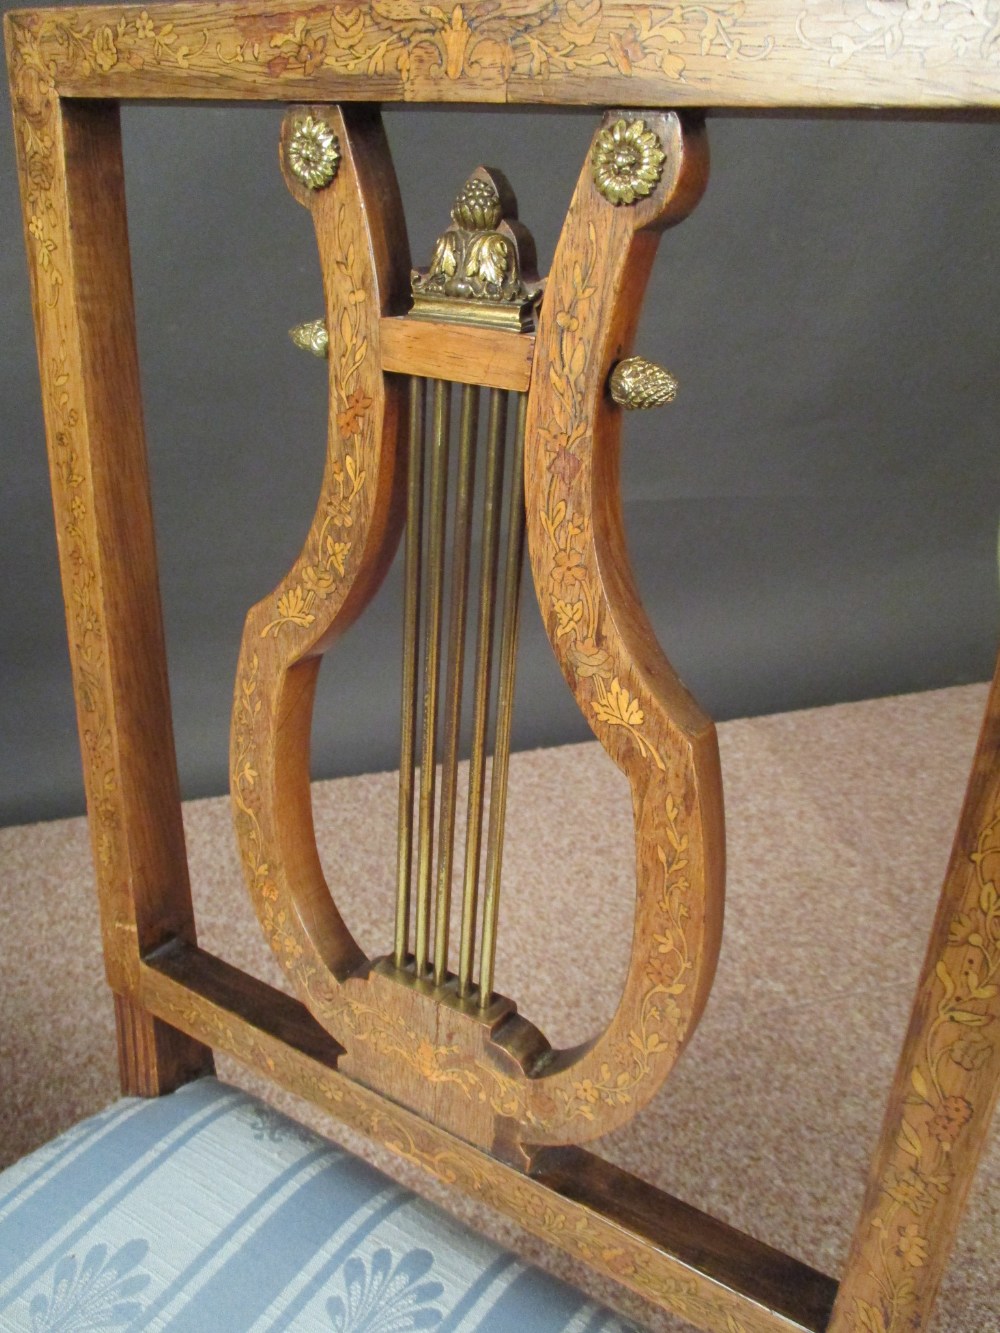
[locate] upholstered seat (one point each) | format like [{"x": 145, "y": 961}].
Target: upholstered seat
[
  {"x": 208, "y": 1210},
  {"x": 201, "y": 1210}
]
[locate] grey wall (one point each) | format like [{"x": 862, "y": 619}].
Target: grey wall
[{"x": 813, "y": 520}]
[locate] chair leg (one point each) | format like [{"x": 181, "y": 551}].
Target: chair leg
[
  {"x": 946, "y": 1085},
  {"x": 154, "y": 1058}
]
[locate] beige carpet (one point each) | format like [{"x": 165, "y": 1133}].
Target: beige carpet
[{"x": 840, "y": 822}]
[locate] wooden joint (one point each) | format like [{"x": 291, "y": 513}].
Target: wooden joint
[
  {"x": 661, "y": 1248},
  {"x": 155, "y": 1058}
]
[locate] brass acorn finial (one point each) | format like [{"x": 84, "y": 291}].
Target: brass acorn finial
[
  {"x": 637, "y": 384},
  {"x": 312, "y": 337},
  {"x": 483, "y": 267},
  {"x": 477, "y": 206}
]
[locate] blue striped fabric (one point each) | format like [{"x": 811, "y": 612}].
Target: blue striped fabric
[{"x": 208, "y": 1212}]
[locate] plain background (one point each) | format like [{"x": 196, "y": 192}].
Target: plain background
[{"x": 813, "y": 520}]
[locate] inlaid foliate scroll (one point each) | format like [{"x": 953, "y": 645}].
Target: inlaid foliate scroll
[{"x": 423, "y": 1024}]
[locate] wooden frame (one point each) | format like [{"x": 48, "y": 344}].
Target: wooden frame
[{"x": 69, "y": 68}]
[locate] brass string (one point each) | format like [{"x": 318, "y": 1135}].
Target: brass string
[
  {"x": 411, "y": 633},
  {"x": 505, "y": 703},
  {"x": 468, "y": 430},
  {"x": 496, "y": 434},
  {"x": 441, "y": 420}
]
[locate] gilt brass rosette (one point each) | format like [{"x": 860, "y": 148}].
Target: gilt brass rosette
[
  {"x": 313, "y": 153},
  {"x": 482, "y": 271},
  {"x": 627, "y": 160}
]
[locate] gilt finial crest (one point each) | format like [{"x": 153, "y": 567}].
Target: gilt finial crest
[{"x": 483, "y": 267}]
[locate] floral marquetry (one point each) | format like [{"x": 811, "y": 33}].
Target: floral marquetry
[
  {"x": 72, "y": 188},
  {"x": 793, "y": 53},
  {"x": 457, "y": 1084},
  {"x": 349, "y": 544},
  {"x": 484, "y": 1072},
  {"x": 946, "y": 1084},
  {"x": 625, "y": 689}
]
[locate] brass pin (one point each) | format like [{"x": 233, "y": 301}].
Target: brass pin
[
  {"x": 432, "y": 654},
  {"x": 468, "y": 430},
  {"x": 496, "y": 434},
  {"x": 505, "y": 705},
  {"x": 411, "y": 635}
]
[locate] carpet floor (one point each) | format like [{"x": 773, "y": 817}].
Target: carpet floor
[{"x": 840, "y": 822}]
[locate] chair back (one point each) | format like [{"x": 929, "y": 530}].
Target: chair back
[{"x": 415, "y": 1047}]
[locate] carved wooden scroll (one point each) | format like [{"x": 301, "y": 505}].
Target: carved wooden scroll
[
  {"x": 626, "y": 689},
  {"x": 440, "y": 1040},
  {"x": 354, "y": 533}
]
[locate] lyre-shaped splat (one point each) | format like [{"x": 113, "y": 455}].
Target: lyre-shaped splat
[
  {"x": 350, "y": 545},
  {"x": 412, "y": 1028}
]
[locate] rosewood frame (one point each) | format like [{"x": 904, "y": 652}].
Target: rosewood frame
[{"x": 69, "y": 69}]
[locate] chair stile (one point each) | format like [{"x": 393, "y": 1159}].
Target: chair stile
[{"x": 416, "y": 1049}]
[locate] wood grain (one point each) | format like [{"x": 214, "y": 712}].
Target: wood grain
[
  {"x": 494, "y": 359},
  {"x": 490, "y": 1078},
  {"x": 85, "y": 327},
  {"x": 154, "y": 1057},
  {"x": 809, "y": 55},
  {"x": 787, "y": 54},
  {"x": 945, "y": 1091},
  {"x": 626, "y": 689},
  {"x": 714, "y": 1276},
  {"x": 350, "y": 544}
]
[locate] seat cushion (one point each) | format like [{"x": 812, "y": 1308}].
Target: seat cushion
[{"x": 208, "y": 1210}]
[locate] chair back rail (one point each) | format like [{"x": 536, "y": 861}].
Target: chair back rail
[
  {"x": 504, "y": 1120},
  {"x": 772, "y": 55}
]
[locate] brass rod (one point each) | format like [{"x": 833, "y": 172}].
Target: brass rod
[
  {"x": 496, "y": 435},
  {"x": 411, "y": 634},
  {"x": 468, "y": 430},
  {"x": 505, "y": 707},
  {"x": 432, "y": 653}
]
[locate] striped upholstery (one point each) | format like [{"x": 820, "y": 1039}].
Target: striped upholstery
[{"x": 208, "y": 1211}]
